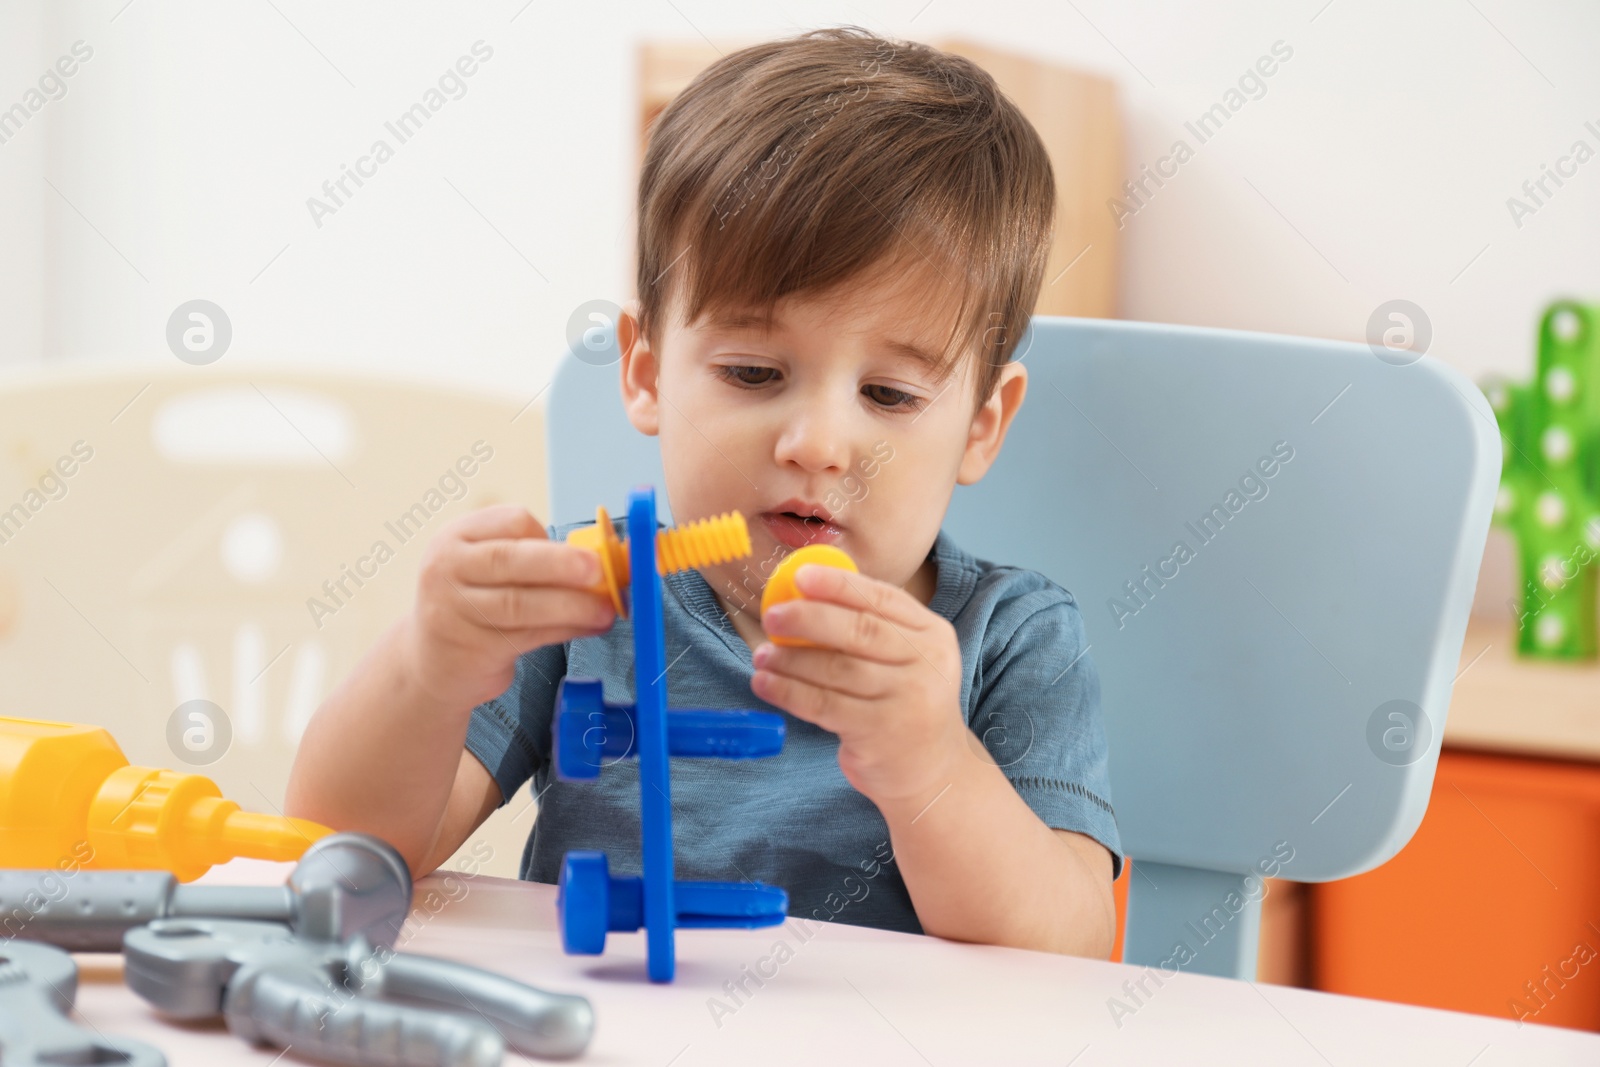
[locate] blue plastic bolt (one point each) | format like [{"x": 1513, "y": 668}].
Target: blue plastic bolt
[
  {"x": 591, "y": 733},
  {"x": 588, "y": 733}
]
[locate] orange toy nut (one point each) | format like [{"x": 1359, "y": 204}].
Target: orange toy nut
[{"x": 781, "y": 587}]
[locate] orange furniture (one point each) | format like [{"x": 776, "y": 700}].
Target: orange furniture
[{"x": 1493, "y": 907}]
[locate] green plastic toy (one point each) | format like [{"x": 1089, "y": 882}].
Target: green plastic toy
[{"x": 1550, "y": 483}]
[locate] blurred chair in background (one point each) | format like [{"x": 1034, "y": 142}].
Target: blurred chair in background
[{"x": 194, "y": 558}]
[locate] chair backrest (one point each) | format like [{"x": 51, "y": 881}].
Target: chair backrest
[
  {"x": 1274, "y": 543},
  {"x": 167, "y": 535}
]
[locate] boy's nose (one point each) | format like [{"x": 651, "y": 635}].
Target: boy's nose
[{"x": 814, "y": 440}]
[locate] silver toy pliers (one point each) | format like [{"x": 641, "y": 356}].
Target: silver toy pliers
[{"x": 347, "y": 1002}]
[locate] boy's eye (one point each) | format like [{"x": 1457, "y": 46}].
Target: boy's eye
[
  {"x": 749, "y": 375},
  {"x": 884, "y": 396}
]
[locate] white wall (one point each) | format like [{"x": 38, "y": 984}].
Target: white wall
[
  {"x": 1376, "y": 166},
  {"x": 21, "y": 185}
]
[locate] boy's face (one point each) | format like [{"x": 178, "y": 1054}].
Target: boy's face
[{"x": 828, "y": 430}]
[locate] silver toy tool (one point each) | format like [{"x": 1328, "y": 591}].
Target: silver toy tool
[
  {"x": 38, "y": 984},
  {"x": 349, "y": 1003},
  {"x": 345, "y": 884},
  {"x": 319, "y": 939}
]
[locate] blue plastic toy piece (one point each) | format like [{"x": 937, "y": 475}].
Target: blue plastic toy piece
[{"x": 588, "y": 732}]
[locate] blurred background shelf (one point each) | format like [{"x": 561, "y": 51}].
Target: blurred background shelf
[{"x": 1502, "y": 703}]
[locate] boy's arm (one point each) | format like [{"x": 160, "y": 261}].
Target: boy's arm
[
  {"x": 982, "y": 866},
  {"x": 473, "y": 799},
  {"x": 885, "y": 675},
  {"x": 386, "y": 752},
  {"x": 381, "y": 755}
]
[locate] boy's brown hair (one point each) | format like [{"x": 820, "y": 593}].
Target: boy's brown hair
[{"x": 795, "y": 164}]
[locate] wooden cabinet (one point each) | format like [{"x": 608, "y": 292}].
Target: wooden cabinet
[
  {"x": 1491, "y": 907},
  {"x": 1494, "y": 906}
]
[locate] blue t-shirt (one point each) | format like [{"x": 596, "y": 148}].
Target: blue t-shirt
[{"x": 1028, "y": 689}]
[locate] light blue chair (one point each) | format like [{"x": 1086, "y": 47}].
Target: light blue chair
[{"x": 1280, "y": 690}]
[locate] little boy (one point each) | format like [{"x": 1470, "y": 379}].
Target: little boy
[{"x": 840, "y": 241}]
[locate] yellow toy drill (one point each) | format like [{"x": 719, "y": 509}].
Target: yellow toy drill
[{"x": 68, "y": 796}]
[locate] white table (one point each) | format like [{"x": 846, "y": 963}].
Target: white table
[{"x": 852, "y": 995}]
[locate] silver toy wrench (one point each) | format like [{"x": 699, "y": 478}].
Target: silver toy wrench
[
  {"x": 38, "y": 984},
  {"x": 348, "y": 1003}
]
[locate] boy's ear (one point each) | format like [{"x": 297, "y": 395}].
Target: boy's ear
[
  {"x": 990, "y": 423},
  {"x": 640, "y": 374}
]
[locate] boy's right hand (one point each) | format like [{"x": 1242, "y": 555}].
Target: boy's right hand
[{"x": 492, "y": 587}]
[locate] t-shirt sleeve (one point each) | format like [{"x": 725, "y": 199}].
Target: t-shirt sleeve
[
  {"x": 1038, "y": 714},
  {"x": 510, "y": 734}
]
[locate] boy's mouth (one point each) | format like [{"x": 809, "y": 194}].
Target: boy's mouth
[{"x": 796, "y": 524}]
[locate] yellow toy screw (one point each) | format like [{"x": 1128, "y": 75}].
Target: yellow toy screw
[
  {"x": 781, "y": 586},
  {"x": 702, "y": 543}
]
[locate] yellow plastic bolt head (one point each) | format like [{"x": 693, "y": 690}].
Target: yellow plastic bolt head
[{"x": 601, "y": 539}]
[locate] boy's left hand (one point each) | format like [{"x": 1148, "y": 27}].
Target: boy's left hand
[{"x": 886, "y": 678}]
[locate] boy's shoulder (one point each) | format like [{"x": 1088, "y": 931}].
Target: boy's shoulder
[{"x": 996, "y": 600}]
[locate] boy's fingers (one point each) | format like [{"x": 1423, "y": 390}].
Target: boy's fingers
[
  {"x": 526, "y": 561},
  {"x": 524, "y": 641},
  {"x": 861, "y": 633},
  {"x": 820, "y": 582},
  {"x": 825, "y": 668},
  {"x": 833, "y": 711},
  {"x": 498, "y": 520},
  {"x": 512, "y": 607}
]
